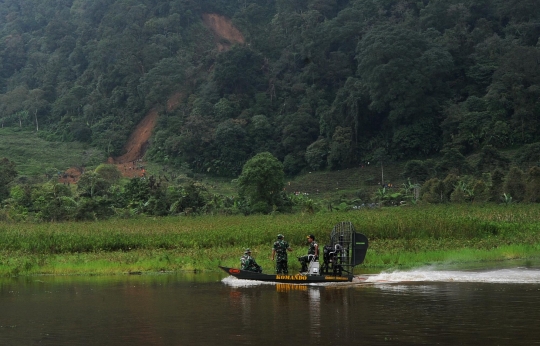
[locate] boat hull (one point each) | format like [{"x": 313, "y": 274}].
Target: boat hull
[{"x": 292, "y": 279}]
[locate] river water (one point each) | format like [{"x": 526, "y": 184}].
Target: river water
[{"x": 421, "y": 307}]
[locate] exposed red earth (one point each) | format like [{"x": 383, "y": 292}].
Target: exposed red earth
[
  {"x": 131, "y": 163},
  {"x": 224, "y": 31}
]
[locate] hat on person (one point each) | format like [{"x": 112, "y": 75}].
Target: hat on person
[
  {"x": 247, "y": 250},
  {"x": 280, "y": 235},
  {"x": 311, "y": 236}
]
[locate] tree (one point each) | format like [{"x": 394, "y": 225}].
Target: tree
[
  {"x": 515, "y": 90},
  {"x": 416, "y": 170},
  {"x": 299, "y": 131},
  {"x": 262, "y": 179},
  {"x": 403, "y": 72},
  {"x": 497, "y": 183},
  {"x": 91, "y": 184},
  {"x": 195, "y": 137},
  {"x": 490, "y": 159},
  {"x": 35, "y": 104},
  {"x": 453, "y": 161},
  {"x": 514, "y": 184},
  {"x": 480, "y": 191},
  {"x": 316, "y": 154},
  {"x": 21, "y": 115},
  {"x": 7, "y": 174},
  {"x": 11, "y": 104},
  {"x": 109, "y": 173},
  {"x": 530, "y": 154},
  {"x": 450, "y": 183},
  {"x": 136, "y": 193},
  {"x": 240, "y": 71},
  {"x": 532, "y": 192},
  {"x": 341, "y": 148},
  {"x": 433, "y": 191},
  {"x": 261, "y": 133},
  {"x": 191, "y": 196},
  {"x": 54, "y": 202},
  {"x": 231, "y": 148}
]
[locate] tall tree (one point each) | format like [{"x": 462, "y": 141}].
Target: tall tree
[
  {"x": 403, "y": 71},
  {"x": 262, "y": 179}
]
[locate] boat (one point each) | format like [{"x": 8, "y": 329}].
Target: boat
[
  {"x": 347, "y": 249},
  {"x": 285, "y": 278}
]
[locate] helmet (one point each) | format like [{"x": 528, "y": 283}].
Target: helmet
[
  {"x": 247, "y": 251},
  {"x": 280, "y": 236},
  {"x": 311, "y": 236}
]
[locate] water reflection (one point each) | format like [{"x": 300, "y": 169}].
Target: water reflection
[
  {"x": 314, "y": 295},
  {"x": 204, "y": 310}
]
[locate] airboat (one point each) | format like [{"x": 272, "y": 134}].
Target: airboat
[{"x": 347, "y": 249}]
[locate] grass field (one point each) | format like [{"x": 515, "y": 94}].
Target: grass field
[
  {"x": 36, "y": 157},
  {"x": 399, "y": 238}
]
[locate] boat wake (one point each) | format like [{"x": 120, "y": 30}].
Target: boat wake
[
  {"x": 235, "y": 282},
  {"x": 511, "y": 276}
]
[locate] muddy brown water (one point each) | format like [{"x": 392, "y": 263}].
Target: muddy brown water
[{"x": 422, "y": 307}]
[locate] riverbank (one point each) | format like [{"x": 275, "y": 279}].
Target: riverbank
[{"x": 399, "y": 238}]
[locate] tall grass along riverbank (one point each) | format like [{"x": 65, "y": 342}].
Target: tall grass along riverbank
[{"x": 399, "y": 238}]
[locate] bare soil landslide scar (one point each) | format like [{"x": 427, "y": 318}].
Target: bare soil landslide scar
[{"x": 346, "y": 250}]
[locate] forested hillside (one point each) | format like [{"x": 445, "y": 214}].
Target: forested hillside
[{"x": 318, "y": 83}]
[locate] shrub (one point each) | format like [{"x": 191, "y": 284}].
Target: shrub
[{"x": 514, "y": 184}]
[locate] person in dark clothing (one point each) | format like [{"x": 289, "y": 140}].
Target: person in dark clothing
[
  {"x": 312, "y": 255},
  {"x": 249, "y": 263}
]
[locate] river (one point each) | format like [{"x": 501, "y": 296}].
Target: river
[{"x": 420, "y": 307}]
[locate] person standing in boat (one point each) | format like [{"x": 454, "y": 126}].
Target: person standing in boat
[
  {"x": 280, "y": 250},
  {"x": 249, "y": 263},
  {"x": 313, "y": 253}
]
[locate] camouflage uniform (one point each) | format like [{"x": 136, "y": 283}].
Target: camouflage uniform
[
  {"x": 248, "y": 263},
  {"x": 281, "y": 247}
]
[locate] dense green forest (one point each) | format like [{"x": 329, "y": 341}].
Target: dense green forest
[{"x": 318, "y": 83}]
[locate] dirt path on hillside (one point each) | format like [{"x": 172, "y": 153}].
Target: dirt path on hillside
[{"x": 131, "y": 163}]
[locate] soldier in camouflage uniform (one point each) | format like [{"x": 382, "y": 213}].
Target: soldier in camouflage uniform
[
  {"x": 313, "y": 253},
  {"x": 249, "y": 263},
  {"x": 280, "y": 248}
]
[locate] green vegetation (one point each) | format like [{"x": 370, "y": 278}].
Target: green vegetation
[
  {"x": 261, "y": 182},
  {"x": 441, "y": 95},
  {"x": 360, "y": 104},
  {"x": 37, "y": 157},
  {"x": 399, "y": 238},
  {"x": 320, "y": 84}
]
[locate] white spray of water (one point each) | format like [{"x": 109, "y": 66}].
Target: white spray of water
[
  {"x": 235, "y": 282},
  {"x": 517, "y": 275}
]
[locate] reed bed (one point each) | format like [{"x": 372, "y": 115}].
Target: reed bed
[{"x": 399, "y": 237}]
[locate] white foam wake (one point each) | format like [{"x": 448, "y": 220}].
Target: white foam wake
[
  {"x": 235, "y": 282},
  {"x": 518, "y": 275}
]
